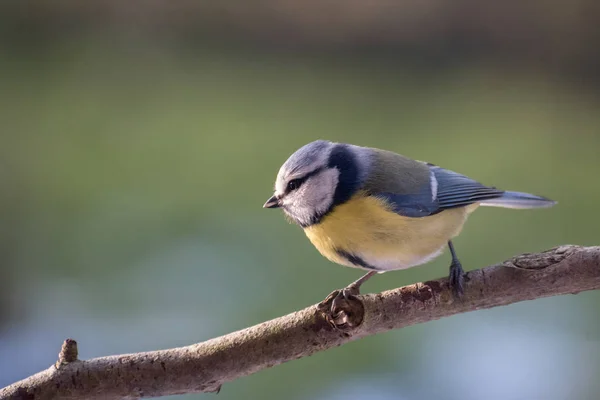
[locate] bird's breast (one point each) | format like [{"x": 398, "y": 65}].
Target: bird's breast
[{"x": 365, "y": 233}]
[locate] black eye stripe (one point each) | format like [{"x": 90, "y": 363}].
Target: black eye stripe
[
  {"x": 297, "y": 182},
  {"x": 294, "y": 184}
]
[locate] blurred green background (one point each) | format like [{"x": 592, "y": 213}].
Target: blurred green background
[{"x": 139, "y": 140}]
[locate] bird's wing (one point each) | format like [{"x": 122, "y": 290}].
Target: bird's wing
[
  {"x": 425, "y": 189},
  {"x": 456, "y": 190}
]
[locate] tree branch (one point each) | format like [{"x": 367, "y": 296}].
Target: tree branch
[{"x": 204, "y": 367}]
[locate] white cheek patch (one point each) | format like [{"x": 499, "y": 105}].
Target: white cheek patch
[
  {"x": 319, "y": 191},
  {"x": 313, "y": 198}
]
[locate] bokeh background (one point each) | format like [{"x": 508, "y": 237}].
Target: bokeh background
[{"x": 139, "y": 140}]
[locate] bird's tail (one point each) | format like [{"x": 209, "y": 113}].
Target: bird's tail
[{"x": 518, "y": 200}]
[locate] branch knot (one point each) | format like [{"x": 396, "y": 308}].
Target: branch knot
[{"x": 545, "y": 259}]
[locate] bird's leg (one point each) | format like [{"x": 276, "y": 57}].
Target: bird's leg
[
  {"x": 456, "y": 277},
  {"x": 354, "y": 287}
]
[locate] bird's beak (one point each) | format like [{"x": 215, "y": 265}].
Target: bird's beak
[{"x": 273, "y": 202}]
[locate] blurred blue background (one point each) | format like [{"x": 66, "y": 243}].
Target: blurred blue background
[{"x": 139, "y": 140}]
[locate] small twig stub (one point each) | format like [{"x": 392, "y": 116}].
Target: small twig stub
[{"x": 68, "y": 353}]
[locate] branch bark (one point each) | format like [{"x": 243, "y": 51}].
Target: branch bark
[{"x": 205, "y": 366}]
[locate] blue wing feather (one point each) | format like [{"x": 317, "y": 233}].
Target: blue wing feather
[
  {"x": 456, "y": 190},
  {"x": 449, "y": 190},
  {"x": 411, "y": 205}
]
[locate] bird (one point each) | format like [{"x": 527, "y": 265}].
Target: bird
[{"x": 380, "y": 211}]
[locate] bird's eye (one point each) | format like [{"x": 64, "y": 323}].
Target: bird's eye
[{"x": 294, "y": 184}]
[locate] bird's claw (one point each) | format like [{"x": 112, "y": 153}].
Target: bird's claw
[
  {"x": 342, "y": 309},
  {"x": 456, "y": 279},
  {"x": 340, "y": 301}
]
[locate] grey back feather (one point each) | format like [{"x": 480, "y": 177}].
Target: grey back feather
[
  {"x": 417, "y": 189},
  {"x": 402, "y": 182},
  {"x": 394, "y": 173}
]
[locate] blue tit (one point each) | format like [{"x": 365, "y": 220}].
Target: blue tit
[{"x": 380, "y": 211}]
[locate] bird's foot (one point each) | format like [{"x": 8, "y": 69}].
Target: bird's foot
[
  {"x": 342, "y": 308},
  {"x": 456, "y": 279}
]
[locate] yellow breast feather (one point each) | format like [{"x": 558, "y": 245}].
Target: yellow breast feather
[{"x": 366, "y": 227}]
